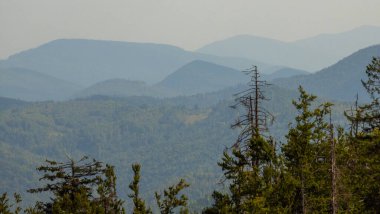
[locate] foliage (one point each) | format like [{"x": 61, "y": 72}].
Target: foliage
[
  {"x": 118, "y": 131},
  {"x": 6, "y": 206},
  {"x": 72, "y": 184},
  {"x": 249, "y": 165},
  {"x": 306, "y": 156},
  {"x": 369, "y": 115},
  {"x": 171, "y": 201},
  {"x": 139, "y": 204}
]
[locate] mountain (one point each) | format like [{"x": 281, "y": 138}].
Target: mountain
[
  {"x": 343, "y": 44},
  {"x": 310, "y": 54},
  {"x": 285, "y": 72},
  {"x": 193, "y": 78},
  {"x": 340, "y": 81},
  {"x": 201, "y": 77},
  {"x": 86, "y": 62},
  {"x": 123, "y": 88},
  {"x": 266, "y": 50},
  {"x": 25, "y": 84},
  {"x": 6, "y": 103}
]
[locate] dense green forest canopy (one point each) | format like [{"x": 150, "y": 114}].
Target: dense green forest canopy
[
  {"x": 121, "y": 131},
  {"x": 309, "y": 165}
]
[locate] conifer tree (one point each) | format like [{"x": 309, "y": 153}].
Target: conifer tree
[
  {"x": 6, "y": 207},
  {"x": 362, "y": 171},
  {"x": 306, "y": 156},
  {"x": 139, "y": 204},
  {"x": 108, "y": 199},
  {"x": 170, "y": 199},
  {"x": 72, "y": 184},
  {"x": 248, "y": 165},
  {"x": 369, "y": 115}
]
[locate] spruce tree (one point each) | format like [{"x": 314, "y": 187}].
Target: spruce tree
[
  {"x": 362, "y": 171},
  {"x": 170, "y": 200},
  {"x": 108, "y": 199},
  {"x": 369, "y": 115},
  {"x": 306, "y": 156},
  {"x": 139, "y": 204},
  {"x": 248, "y": 164},
  {"x": 6, "y": 207},
  {"x": 72, "y": 185}
]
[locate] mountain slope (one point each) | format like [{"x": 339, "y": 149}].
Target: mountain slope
[
  {"x": 284, "y": 73},
  {"x": 343, "y": 44},
  {"x": 171, "y": 138},
  {"x": 266, "y": 50},
  {"x": 123, "y": 88},
  {"x": 6, "y": 103},
  {"x": 86, "y": 62},
  {"x": 25, "y": 84},
  {"x": 310, "y": 54},
  {"x": 340, "y": 81},
  {"x": 201, "y": 77}
]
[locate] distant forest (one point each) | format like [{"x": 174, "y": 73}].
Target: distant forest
[{"x": 321, "y": 168}]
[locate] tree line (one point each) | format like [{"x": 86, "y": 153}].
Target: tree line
[{"x": 322, "y": 168}]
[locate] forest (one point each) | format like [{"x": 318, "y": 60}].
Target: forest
[{"x": 322, "y": 167}]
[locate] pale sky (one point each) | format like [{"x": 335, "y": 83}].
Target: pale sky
[{"x": 189, "y": 24}]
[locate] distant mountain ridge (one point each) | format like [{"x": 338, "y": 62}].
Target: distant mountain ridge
[
  {"x": 124, "y": 88},
  {"x": 200, "y": 76},
  {"x": 284, "y": 73},
  {"x": 340, "y": 81},
  {"x": 309, "y": 54},
  {"x": 86, "y": 62},
  {"x": 69, "y": 68},
  {"x": 25, "y": 84},
  {"x": 196, "y": 77}
]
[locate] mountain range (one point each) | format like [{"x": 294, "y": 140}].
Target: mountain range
[
  {"x": 341, "y": 81},
  {"x": 311, "y": 54},
  {"x": 26, "y": 84},
  {"x": 86, "y": 62},
  {"x": 71, "y": 68},
  {"x": 200, "y": 77}
]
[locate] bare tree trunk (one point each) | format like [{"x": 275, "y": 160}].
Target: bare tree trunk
[{"x": 334, "y": 203}]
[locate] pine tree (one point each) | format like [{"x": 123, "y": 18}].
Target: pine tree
[
  {"x": 170, "y": 199},
  {"x": 72, "y": 184},
  {"x": 306, "y": 156},
  {"x": 370, "y": 114},
  {"x": 139, "y": 204},
  {"x": 6, "y": 206},
  {"x": 248, "y": 166},
  {"x": 362, "y": 171},
  {"x": 108, "y": 199}
]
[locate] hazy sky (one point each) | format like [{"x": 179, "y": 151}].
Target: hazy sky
[{"x": 185, "y": 23}]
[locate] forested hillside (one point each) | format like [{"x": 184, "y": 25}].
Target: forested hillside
[
  {"x": 172, "y": 138},
  {"x": 340, "y": 81}
]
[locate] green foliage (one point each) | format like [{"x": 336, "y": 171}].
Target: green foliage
[
  {"x": 359, "y": 169},
  {"x": 72, "y": 183},
  {"x": 171, "y": 201},
  {"x": 6, "y": 206},
  {"x": 250, "y": 166},
  {"x": 139, "y": 204},
  {"x": 107, "y": 193},
  {"x": 373, "y": 74},
  {"x": 118, "y": 131},
  {"x": 306, "y": 156},
  {"x": 368, "y": 115}
]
